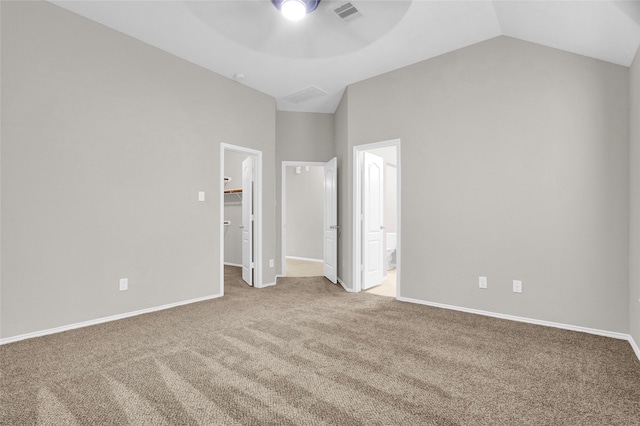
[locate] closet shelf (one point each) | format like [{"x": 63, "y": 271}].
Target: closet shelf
[{"x": 237, "y": 192}]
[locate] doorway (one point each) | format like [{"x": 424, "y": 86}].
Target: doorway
[
  {"x": 376, "y": 230},
  {"x": 241, "y": 214},
  {"x": 309, "y": 215}
]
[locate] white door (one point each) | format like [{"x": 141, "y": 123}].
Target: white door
[
  {"x": 331, "y": 220},
  {"x": 247, "y": 219},
  {"x": 372, "y": 224}
]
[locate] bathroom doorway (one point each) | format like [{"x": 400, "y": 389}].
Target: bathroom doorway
[{"x": 377, "y": 218}]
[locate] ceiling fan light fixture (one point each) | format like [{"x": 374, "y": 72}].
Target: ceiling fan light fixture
[{"x": 295, "y": 10}]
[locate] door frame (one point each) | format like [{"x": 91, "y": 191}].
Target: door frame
[
  {"x": 283, "y": 208},
  {"x": 257, "y": 200},
  {"x": 357, "y": 211}
]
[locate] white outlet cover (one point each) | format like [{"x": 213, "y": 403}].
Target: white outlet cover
[
  {"x": 124, "y": 284},
  {"x": 517, "y": 286},
  {"x": 482, "y": 282},
  {"x": 271, "y": 263},
  {"x": 200, "y": 195}
]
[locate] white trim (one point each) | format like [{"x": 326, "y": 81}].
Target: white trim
[
  {"x": 307, "y": 259},
  {"x": 283, "y": 207},
  {"x": 634, "y": 346},
  {"x": 357, "y": 211},
  {"x": 347, "y": 289},
  {"x": 232, "y": 264},
  {"x": 257, "y": 238},
  {"x": 605, "y": 333},
  {"x": 103, "y": 320},
  {"x": 269, "y": 284}
]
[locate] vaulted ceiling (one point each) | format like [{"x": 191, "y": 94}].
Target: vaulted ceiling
[{"x": 307, "y": 65}]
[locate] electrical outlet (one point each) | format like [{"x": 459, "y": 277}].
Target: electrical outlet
[
  {"x": 482, "y": 282},
  {"x": 271, "y": 263},
  {"x": 200, "y": 195},
  {"x": 517, "y": 286},
  {"x": 124, "y": 284}
]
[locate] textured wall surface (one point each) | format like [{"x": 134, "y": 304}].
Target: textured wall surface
[
  {"x": 514, "y": 166},
  {"x": 634, "y": 163},
  {"x": 305, "y": 212},
  {"x": 106, "y": 142},
  {"x": 300, "y": 136}
]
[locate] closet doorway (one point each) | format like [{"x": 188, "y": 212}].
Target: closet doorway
[
  {"x": 376, "y": 226},
  {"x": 241, "y": 213},
  {"x": 309, "y": 219}
]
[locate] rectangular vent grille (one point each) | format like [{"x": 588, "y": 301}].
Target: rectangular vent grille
[
  {"x": 310, "y": 92},
  {"x": 347, "y": 12}
]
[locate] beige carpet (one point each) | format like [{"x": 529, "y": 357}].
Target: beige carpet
[{"x": 307, "y": 353}]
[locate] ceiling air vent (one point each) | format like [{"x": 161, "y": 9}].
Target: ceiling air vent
[
  {"x": 310, "y": 92},
  {"x": 347, "y": 12}
]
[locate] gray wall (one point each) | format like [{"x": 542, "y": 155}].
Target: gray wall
[
  {"x": 305, "y": 212},
  {"x": 634, "y": 158},
  {"x": 514, "y": 166},
  {"x": 106, "y": 142},
  {"x": 300, "y": 136},
  {"x": 233, "y": 208}
]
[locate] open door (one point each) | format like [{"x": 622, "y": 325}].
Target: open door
[
  {"x": 372, "y": 224},
  {"x": 247, "y": 219},
  {"x": 331, "y": 220}
]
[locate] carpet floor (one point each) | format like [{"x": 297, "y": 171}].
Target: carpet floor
[{"x": 307, "y": 353}]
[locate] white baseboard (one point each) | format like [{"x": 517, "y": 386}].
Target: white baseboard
[
  {"x": 605, "y": 333},
  {"x": 103, "y": 320},
  {"x": 268, "y": 284},
  {"x": 345, "y": 286},
  {"x": 307, "y": 259},
  {"x": 232, "y": 264}
]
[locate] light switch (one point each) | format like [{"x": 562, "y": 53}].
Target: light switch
[{"x": 201, "y": 196}]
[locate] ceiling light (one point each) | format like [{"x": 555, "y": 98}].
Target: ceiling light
[{"x": 295, "y": 10}]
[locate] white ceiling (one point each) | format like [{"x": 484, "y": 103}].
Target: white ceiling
[{"x": 281, "y": 58}]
